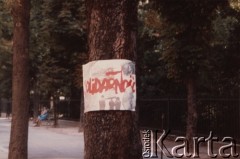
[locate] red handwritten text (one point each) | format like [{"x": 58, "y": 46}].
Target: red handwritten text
[{"x": 96, "y": 85}]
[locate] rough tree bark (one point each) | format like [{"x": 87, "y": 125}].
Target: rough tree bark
[
  {"x": 192, "y": 110},
  {"x": 20, "y": 108},
  {"x": 112, "y": 35}
]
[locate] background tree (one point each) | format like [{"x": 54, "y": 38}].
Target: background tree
[
  {"x": 57, "y": 44},
  {"x": 111, "y": 134},
  {"x": 184, "y": 28},
  {"x": 225, "y": 46},
  {"x": 5, "y": 51},
  {"x": 19, "y": 128},
  {"x": 153, "y": 80}
]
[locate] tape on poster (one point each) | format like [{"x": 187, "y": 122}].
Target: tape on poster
[{"x": 109, "y": 85}]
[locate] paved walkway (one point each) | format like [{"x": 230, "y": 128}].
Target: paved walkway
[
  {"x": 64, "y": 142},
  {"x": 46, "y": 142}
]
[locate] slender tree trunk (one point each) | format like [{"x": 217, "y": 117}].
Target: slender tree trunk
[
  {"x": 0, "y": 106},
  {"x": 35, "y": 105},
  {"x": 112, "y": 35},
  {"x": 81, "y": 123},
  {"x": 55, "y": 113},
  {"x": 192, "y": 116},
  {"x": 20, "y": 108}
]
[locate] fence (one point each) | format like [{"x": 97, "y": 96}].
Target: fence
[
  {"x": 222, "y": 116},
  {"x": 70, "y": 109}
]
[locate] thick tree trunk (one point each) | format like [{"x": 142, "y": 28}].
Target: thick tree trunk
[
  {"x": 112, "y": 35},
  {"x": 20, "y": 108},
  {"x": 192, "y": 116}
]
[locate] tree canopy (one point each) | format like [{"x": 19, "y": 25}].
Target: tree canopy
[{"x": 175, "y": 39}]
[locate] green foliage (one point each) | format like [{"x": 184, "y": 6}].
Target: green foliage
[
  {"x": 177, "y": 39},
  {"x": 58, "y": 40},
  {"x": 222, "y": 27},
  {"x": 57, "y": 46},
  {"x": 225, "y": 53},
  {"x": 186, "y": 48},
  {"x": 152, "y": 69},
  {"x": 5, "y": 51},
  {"x": 196, "y": 39}
]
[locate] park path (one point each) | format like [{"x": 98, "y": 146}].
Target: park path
[{"x": 46, "y": 142}]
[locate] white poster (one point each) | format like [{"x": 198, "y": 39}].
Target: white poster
[{"x": 109, "y": 85}]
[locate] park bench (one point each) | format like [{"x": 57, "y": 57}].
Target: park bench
[{"x": 49, "y": 120}]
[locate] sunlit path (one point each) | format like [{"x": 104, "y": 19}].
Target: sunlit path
[{"x": 46, "y": 142}]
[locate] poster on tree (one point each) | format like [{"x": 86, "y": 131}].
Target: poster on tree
[{"x": 109, "y": 85}]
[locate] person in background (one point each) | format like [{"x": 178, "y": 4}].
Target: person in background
[{"x": 42, "y": 116}]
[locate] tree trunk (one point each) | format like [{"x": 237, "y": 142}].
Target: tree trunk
[
  {"x": 81, "y": 123},
  {"x": 35, "y": 105},
  {"x": 55, "y": 112},
  {"x": 0, "y": 106},
  {"x": 112, "y": 35},
  {"x": 192, "y": 110},
  {"x": 19, "y": 128}
]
